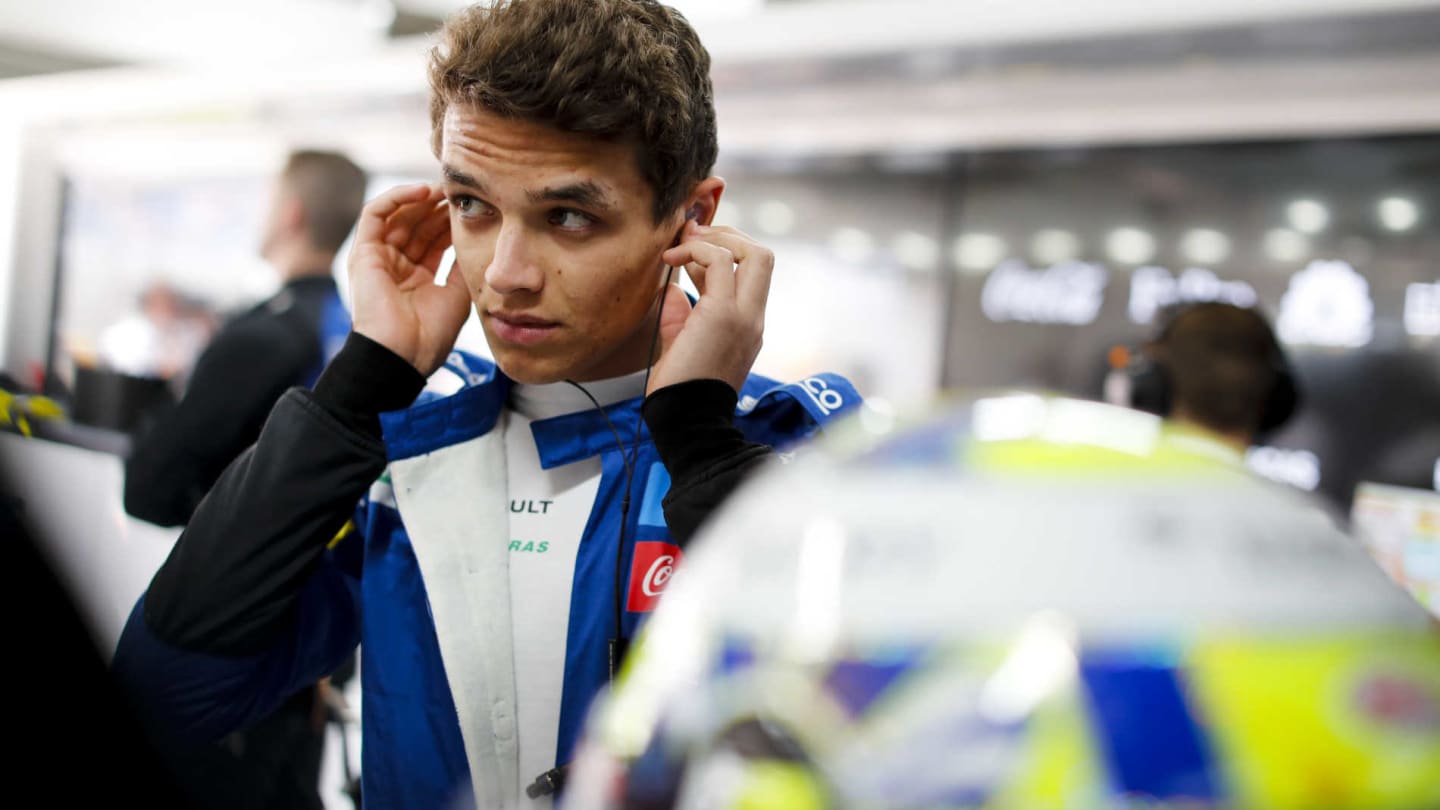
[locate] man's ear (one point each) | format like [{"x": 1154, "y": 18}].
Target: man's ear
[
  {"x": 704, "y": 199},
  {"x": 292, "y": 214}
]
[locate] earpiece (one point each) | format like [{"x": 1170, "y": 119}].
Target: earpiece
[{"x": 693, "y": 212}]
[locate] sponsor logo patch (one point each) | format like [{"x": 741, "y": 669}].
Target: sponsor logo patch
[{"x": 650, "y": 571}]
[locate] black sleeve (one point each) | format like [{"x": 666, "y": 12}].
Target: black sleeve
[
  {"x": 236, "y": 382},
  {"x": 693, "y": 426},
  {"x": 231, "y": 582}
]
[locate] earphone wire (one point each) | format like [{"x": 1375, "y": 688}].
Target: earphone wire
[{"x": 617, "y": 643}]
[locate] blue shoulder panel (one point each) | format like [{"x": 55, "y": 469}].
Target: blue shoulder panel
[
  {"x": 433, "y": 423},
  {"x": 779, "y": 414}
]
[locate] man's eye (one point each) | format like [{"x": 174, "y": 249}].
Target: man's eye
[
  {"x": 467, "y": 206},
  {"x": 570, "y": 219}
]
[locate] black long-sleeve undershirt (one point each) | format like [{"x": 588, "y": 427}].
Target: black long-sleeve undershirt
[
  {"x": 232, "y": 580},
  {"x": 231, "y": 583}
]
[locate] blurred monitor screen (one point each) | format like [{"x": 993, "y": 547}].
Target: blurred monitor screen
[{"x": 1401, "y": 527}]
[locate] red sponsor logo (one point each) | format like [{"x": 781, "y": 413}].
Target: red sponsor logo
[{"x": 650, "y": 572}]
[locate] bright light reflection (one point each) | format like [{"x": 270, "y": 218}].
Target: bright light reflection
[
  {"x": 1205, "y": 246},
  {"x": 1130, "y": 245},
  {"x": 728, "y": 214},
  {"x": 1006, "y": 418},
  {"x": 1397, "y": 213},
  {"x": 852, "y": 245},
  {"x": 877, "y": 416},
  {"x": 1052, "y": 246},
  {"x": 1072, "y": 421},
  {"x": 1307, "y": 216},
  {"x": 1285, "y": 245},
  {"x": 1042, "y": 662},
  {"x": 820, "y": 577},
  {"x": 916, "y": 251},
  {"x": 978, "y": 252},
  {"x": 1422, "y": 309},
  {"x": 1298, "y": 468},
  {"x": 1326, "y": 304},
  {"x": 774, "y": 218}
]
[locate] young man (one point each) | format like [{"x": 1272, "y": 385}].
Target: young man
[{"x": 517, "y": 535}]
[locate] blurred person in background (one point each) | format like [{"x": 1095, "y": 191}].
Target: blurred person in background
[
  {"x": 524, "y": 526},
  {"x": 283, "y": 342},
  {"x": 1218, "y": 374},
  {"x": 162, "y": 339}
]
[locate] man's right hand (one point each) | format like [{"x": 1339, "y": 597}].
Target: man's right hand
[{"x": 399, "y": 241}]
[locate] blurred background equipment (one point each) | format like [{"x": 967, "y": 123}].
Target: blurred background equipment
[
  {"x": 958, "y": 194},
  {"x": 1401, "y": 527},
  {"x": 115, "y": 400},
  {"x": 983, "y": 195},
  {"x": 1021, "y": 601}
]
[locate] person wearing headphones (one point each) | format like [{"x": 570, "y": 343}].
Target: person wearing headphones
[
  {"x": 518, "y": 531},
  {"x": 1217, "y": 373}
]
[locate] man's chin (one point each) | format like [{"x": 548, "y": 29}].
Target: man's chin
[
  {"x": 526, "y": 376},
  {"x": 527, "y": 369}
]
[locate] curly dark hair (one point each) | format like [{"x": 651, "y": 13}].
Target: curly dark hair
[{"x": 621, "y": 70}]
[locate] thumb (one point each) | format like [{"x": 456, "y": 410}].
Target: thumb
[{"x": 674, "y": 312}]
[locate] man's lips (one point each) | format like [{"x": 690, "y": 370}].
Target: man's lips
[{"x": 515, "y": 327}]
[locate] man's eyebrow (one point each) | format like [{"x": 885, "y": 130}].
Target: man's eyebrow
[
  {"x": 459, "y": 178},
  {"x": 585, "y": 193}
]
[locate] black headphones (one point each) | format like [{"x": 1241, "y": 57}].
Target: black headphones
[{"x": 1152, "y": 391}]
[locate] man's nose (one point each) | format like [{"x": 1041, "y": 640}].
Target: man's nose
[{"x": 513, "y": 268}]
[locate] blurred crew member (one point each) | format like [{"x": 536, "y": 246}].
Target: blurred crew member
[
  {"x": 1216, "y": 370},
  {"x": 283, "y": 342},
  {"x": 524, "y": 526}
]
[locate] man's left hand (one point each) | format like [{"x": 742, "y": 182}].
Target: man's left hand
[{"x": 721, "y": 336}]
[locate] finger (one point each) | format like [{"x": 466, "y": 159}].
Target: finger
[
  {"x": 710, "y": 266},
  {"x": 428, "y": 231},
  {"x": 755, "y": 264},
  {"x": 674, "y": 312},
  {"x": 725, "y": 229},
  {"x": 436, "y": 252},
  {"x": 371, "y": 225},
  {"x": 400, "y": 227},
  {"x": 677, "y": 258}
]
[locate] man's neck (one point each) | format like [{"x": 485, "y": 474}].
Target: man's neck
[
  {"x": 1237, "y": 440},
  {"x": 301, "y": 261},
  {"x": 554, "y": 399}
]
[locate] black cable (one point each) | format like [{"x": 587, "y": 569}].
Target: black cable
[
  {"x": 553, "y": 780},
  {"x": 624, "y": 519},
  {"x": 616, "y": 652}
]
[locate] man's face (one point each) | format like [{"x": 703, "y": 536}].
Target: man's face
[{"x": 555, "y": 237}]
